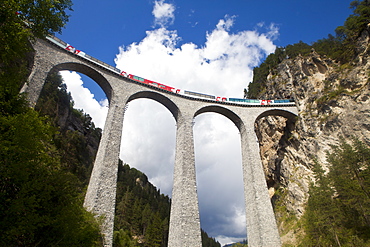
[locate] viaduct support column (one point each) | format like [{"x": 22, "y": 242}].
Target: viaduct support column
[
  {"x": 101, "y": 193},
  {"x": 261, "y": 224},
  {"x": 184, "y": 228},
  {"x": 37, "y": 78}
]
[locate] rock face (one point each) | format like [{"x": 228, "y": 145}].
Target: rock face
[{"x": 333, "y": 102}]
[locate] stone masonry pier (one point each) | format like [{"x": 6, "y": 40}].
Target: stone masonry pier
[{"x": 184, "y": 219}]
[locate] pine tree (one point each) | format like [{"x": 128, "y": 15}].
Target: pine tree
[
  {"x": 153, "y": 235},
  {"x": 349, "y": 171},
  {"x": 322, "y": 212},
  {"x": 338, "y": 209}
]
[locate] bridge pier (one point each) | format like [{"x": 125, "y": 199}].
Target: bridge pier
[
  {"x": 41, "y": 67},
  {"x": 184, "y": 220},
  {"x": 261, "y": 223},
  {"x": 100, "y": 197}
]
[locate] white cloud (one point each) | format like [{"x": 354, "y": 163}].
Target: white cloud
[
  {"x": 163, "y": 13},
  {"x": 222, "y": 67},
  {"x": 148, "y": 141},
  {"x": 228, "y": 240},
  {"x": 219, "y": 175}
]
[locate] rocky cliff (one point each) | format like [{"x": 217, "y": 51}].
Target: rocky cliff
[
  {"x": 333, "y": 100},
  {"x": 77, "y": 139}
]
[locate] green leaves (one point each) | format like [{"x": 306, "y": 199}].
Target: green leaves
[
  {"x": 39, "y": 201},
  {"x": 44, "y": 16},
  {"x": 338, "y": 208}
]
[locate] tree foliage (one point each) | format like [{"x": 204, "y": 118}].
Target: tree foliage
[
  {"x": 20, "y": 22},
  {"x": 142, "y": 212},
  {"x": 40, "y": 200},
  {"x": 208, "y": 241},
  {"x": 338, "y": 208},
  {"x": 77, "y": 138}
]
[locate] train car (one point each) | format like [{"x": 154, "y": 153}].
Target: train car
[
  {"x": 200, "y": 95},
  {"x": 153, "y": 83},
  {"x": 57, "y": 41},
  {"x": 245, "y": 101},
  {"x": 282, "y": 101}
]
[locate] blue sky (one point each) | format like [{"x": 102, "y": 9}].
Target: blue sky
[
  {"x": 100, "y": 27},
  {"x": 204, "y": 46}
]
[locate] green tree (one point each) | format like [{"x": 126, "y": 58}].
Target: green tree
[
  {"x": 145, "y": 220},
  {"x": 208, "y": 241},
  {"x": 338, "y": 208},
  {"x": 39, "y": 202},
  {"x": 122, "y": 238},
  {"x": 350, "y": 175},
  {"x": 124, "y": 211},
  {"x": 322, "y": 212},
  {"x": 43, "y": 17},
  {"x": 153, "y": 234},
  {"x": 356, "y": 22}
]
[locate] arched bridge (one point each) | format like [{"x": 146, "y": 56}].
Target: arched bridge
[{"x": 184, "y": 219}]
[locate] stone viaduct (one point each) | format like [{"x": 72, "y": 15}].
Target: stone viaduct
[{"x": 184, "y": 218}]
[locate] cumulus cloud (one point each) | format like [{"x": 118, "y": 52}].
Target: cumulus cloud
[
  {"x": 225, "y": 59},
  {"x": 163, "y": 13},
  {"x": 223, "y": 66},
  {"x": 148, "y": 142}
]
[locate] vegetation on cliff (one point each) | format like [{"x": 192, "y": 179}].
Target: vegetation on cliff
[
  {"x": 77, "y": 138},
  {"x": 341, "y": 47},
  {"x": 142, "y": 212},
  {"x": 338, "y": 209}
]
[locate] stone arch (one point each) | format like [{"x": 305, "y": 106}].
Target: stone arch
[
  {"x": 229, "y": 167},
  {"x": 225, "y": 112},
  {"x": 292, "y": 117},
  {"x": 276, "y": 132},
  {"x": 90, "y": 72},
  {"x": 160, "y": 98}
]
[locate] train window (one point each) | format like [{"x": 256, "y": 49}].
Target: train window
[
  {"x": 238, "y": 100},
  {"x": 138, "y": 78}
]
